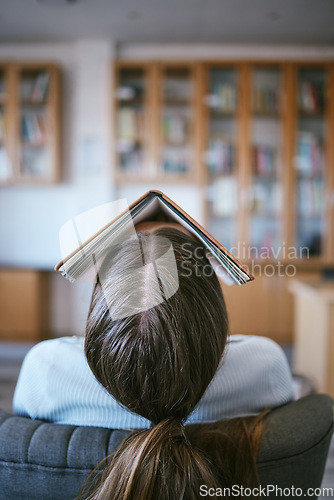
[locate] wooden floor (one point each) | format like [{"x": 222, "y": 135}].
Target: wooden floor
[{"x": 11, "y": 356}]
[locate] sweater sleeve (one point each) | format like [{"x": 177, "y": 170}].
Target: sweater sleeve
[
  {"x": 31, "y": 388},
  {"x": 253, "y": 375},
  {"x": 56, "y": 384}
]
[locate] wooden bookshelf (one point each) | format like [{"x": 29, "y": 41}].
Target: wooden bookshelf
[
  {"x": 162, "y": 115},
  {"x": 264, "y": 160},
  {"x": 31, "y": 104},
  {"x": 258, "y": 137}
]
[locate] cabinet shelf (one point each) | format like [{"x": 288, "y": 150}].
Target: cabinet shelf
[
  {"x": 174, "y": 144},
  {"x": 313, "y": 215},
  {"x": 305, "y": 113},
  {"x": 220, "y": 113},
  {"x": 175, "y": 101},
  {"x": 265, "y": 214},
  {"x": 131, "y": 143},
  {"x": 32, "y": 104},
  {"x": 161, "y": 128},
  {"x": 32, "y": 122},
  {"x": 271, "y": 115},
  {"x": 135, "y": 102},
  {"x": 309, "y": 177},
  {"x": 34, "y": 145}
]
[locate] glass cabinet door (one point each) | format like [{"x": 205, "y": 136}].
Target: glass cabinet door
[
  {"x": 131, "y": 120},
  {"x": 5, "y": 162},
  {"x": 310, "y": 161},
  {"x": 176, "y": 121},
  {"x": 221, "y": 157},
  {"x": 37, "y": 125},
  {"x": 265, "y": 195}
]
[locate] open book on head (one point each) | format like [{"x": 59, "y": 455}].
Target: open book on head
[{"x": 83, "y": 246}]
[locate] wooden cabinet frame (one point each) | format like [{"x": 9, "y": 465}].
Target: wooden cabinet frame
[
  {"x": 14, "y": 131},
  {"x": 153, "y": 102},
  {"x": 289, "y": 125}
]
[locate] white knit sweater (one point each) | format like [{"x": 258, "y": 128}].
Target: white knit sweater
[{"x": 56, "y": 384}]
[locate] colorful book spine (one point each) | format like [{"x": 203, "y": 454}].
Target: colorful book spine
[
  {"x": 264, "y": 161},
  {"x": 266, "y": 100},
  {"x": 221, "y": 157},
  {"x": 34, "y": 128},
  {"x": 310, "y": 197},
  {"x": 40, "y": 88},
  {"x": 130, "y": 124},
  {"x": 223, "y": 98},
  {"x": 309, "y": 155},
  {"x": 310, "y": 97},
  {"x": 175, "y": 128}
]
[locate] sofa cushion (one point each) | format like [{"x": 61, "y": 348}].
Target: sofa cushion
[{"x": 52, "y": 461}]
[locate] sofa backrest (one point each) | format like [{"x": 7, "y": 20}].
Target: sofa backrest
[{"x": 40, "y": 460}]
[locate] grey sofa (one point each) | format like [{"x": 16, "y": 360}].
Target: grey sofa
[{"x": 40, "y": 460}]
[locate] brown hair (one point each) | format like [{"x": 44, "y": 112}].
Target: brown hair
[{"x": 158, "y": 361}]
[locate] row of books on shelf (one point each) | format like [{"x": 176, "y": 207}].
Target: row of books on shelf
[
  {"x": 131, "y": 162},
  {"x": 266, "y": 100},
  {"x": 36, "y": 162},
  {"x": 223, "y": 196},
  {"x": 265, "y": 242},
  {"x": 311, "y": 97},
  {"x": 223, "y": 98},
  {"x": 264, "y": 161},
  {"x": 34, "y": 88},
  {"x": 266, "y": 198},
  {"x": 131, "y": 124},
  {"x": 175, "y": 162},
  {"x": 177, "y": 88},
  {"x": 128, "y": 92},
  {"x": 310, "y": 197},
  {"x": 173, "y": 89},
  {"x": 309, "y": 160},
  {"x": 221, "y": 156},
  {"x": 34, "y": 128},
  {"x": 175, "y": 128},
  {"x": 263, "y": 199}
]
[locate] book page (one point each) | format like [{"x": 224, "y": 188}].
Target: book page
[
  {"x": 84, "y": 261},
  {"x": 75, "y": 233}
]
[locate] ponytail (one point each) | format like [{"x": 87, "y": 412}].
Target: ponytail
[
  {"x": 171, "y": 461},
  {"x": 158, "y": 463}
]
